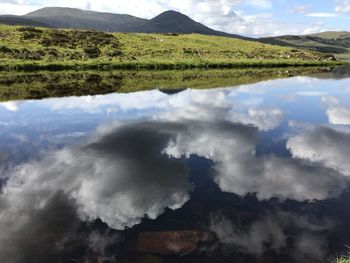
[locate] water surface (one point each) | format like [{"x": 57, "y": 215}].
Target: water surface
[{"x": 260, "y": 169}]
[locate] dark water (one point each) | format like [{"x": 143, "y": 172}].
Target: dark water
[{"x": 257, "y": 173}]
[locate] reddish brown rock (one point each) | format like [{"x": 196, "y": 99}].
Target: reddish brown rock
[
  {"x": 170, "y": 243},
  {"x": 92, "y": 257}
]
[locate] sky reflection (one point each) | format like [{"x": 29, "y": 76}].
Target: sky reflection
[{"x": 278, "y": 146}]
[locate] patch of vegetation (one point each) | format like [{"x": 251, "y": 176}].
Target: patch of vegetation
[
  {"x": 15, "y": 86},
  {"x": 29, "y": 48},
  {"x": 343, "y": 259}
]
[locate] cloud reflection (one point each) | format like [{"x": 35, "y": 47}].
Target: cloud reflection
[
  {"x": 120, "y": 178},
  {"x": 323, "y": 145},
  {"x": 306, "y": 243},
  {"x": 237, "y": 169}
]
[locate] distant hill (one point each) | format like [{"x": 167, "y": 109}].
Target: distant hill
[
  {"x": 167, "y": 22},
  {"x": 60, "y": 17},
  {"x": 20, "y": 21},
  {"x": 337, "y": 43}
]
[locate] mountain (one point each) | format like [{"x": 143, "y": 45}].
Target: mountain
[
  {"x": 81, "y": 19},
  {"x": 167, "y": 22},
  {"x": 172, "y": 21},
  {"x": 337, "y": 43},
  {"x": 20, "y": 21}
]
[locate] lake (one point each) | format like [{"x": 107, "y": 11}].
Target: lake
[{"x": 213, "y": 166}]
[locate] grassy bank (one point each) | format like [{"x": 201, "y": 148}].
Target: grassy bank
[
  {"x": 37, "y": 85},
  {"x": 27, "y": 48}
]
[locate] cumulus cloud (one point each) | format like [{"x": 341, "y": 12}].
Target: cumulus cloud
[
  {"x": 270, "y": 232},
  {"x": 324, "y": 145},
  {"x": 343, "y": 6},
  {"x": 336, "y": 112},
  {"x": 212, "y": 106},
  {"x": 119, "y": 178},
  {"x": 208, "y": 125},
  {"x": 339, "y": 115},
  {"x": 113, "y": 102},
  {"x": 43, "y": 226},
  {"x": 238, "y": 170},
  {"x": 34, "y": 229},
  {"x": 264, "y": 119},
  {"x": 231, "y": 146},
  {"x": 261, "y": 25}
]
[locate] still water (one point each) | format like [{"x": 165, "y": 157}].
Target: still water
[{"x": 250, "y": 173}]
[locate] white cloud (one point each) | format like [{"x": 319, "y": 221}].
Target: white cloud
[
  {"x": 323, "y": 145},
  {"x": 300, "y": 9},
  {"x": 264, "y": 119},
  {"x": 269, "y": 232},
  {"x": 339, "y": 115},
  {"x": 120, "y": 178},
  {"x": 343, "y": 6},
  {"x": 20, "y": 2},
  {"x": 16, "y": 9},
  {"x": 11, "y": 105},
  {"x": 52, "y": 221},
  {"x": 231, "y": 146},
  {"x": 116, "y": 102},
  {"x": 260, "y": 3},
  {"x": 263, "y": 24},
  {"x": 324, "y": 15},
  {"x": 336, "y": 112},
  {"x": 32, "y": 221},
  {"x": 213, "y": 106}
]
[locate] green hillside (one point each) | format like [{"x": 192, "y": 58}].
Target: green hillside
[
  {"x": 337, "y": 43},
  {"x": 39, "y": 48}
]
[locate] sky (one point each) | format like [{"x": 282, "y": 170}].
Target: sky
[{"x": 255, "y": 18}]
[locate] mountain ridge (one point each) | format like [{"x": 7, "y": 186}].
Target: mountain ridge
[
  {"x": 72, "y": 18},
  {"x": 335, "y": 42},
  {"x": 170, "y": 21}
]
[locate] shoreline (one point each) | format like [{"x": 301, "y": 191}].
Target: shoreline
[
  {"x": 17, "y": 85},
  {"x": 160, "y": 65}
]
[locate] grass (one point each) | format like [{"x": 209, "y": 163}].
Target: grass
[
  {"x": 343, "y": 259},
  {"x": 37, "y": 85},
  {"x": 28, "y": 48}
]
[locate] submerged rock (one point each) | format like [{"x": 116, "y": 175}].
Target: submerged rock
[
  {"x": 171, "y": 243},
  {"x": 92, "y": 257}
]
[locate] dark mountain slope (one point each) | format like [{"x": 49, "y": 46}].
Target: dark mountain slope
[
  {"x": 81, "y": 19},
  {"x": 172, "y": 21},
  {"x": 20, "y": 21}
]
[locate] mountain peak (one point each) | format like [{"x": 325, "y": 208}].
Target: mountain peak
[
  {"x": 170, "y": 15},
  {"x": 171, "y": 12}
]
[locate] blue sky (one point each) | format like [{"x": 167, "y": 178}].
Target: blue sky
[{"x": 246, "y": 17}]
